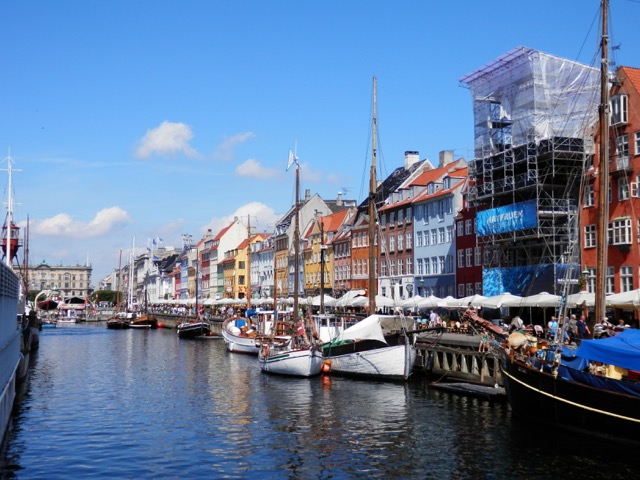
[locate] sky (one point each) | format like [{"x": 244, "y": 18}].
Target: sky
[{"x": 154, "y": 118}]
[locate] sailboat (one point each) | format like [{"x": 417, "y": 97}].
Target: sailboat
[
  {"x": 590, "y": 390},
  {"x": 122, "y": 318},
  {"x": 197, "y": 327},
  {"x": 379, "y": 346},
  {"x": 145, "y": 320},
  {"x": 299, "y": 356}
]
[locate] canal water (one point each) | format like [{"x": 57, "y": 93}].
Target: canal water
[{"x": 131, "y": 404}]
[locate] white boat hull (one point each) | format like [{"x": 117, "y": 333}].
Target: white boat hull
[
  {"x": 295, "y": 363},
  {"x": 238, "y": 344},
  {"x": 387, "y": 363}
]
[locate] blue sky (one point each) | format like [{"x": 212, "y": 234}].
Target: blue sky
[{"x": 159, "y": 118}]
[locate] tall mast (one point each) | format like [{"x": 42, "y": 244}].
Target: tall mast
[
  {"x": 248, "y": 262},
  {"x": 372, "y": 206},
  {"x": 130, "y": 287},
  {"x": 603, "y": 181},
  {"x": 296, "y": 245}
]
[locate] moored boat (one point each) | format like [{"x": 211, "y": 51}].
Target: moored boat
[
  {"x": 119, "y": 321},
  {"x": 194, "y": 329},
  {"x": 377, "y": 347}
]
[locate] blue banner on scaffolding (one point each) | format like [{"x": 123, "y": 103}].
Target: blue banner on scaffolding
[
  {"x": 507, "y": 219},
  {"x": 530, "y": 279}
]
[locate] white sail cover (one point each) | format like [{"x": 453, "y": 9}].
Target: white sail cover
[{"x": 373, "y": 327}]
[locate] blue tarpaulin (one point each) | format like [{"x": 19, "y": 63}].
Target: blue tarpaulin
[{"x": 622, "y": 350}]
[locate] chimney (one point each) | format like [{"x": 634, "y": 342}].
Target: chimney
[
  {"x": 339, "y": 200},
  {"x": 307, "y": 194},
  {"x": 446, "y": 157},
  {"x": 411, "y": 157}
]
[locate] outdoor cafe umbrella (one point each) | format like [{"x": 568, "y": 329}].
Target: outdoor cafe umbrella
[
  {"x": 502, "y": 300},
  {"x": 542, "y": 299}
]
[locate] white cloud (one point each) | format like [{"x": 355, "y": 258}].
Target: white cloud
[
  {"x": 253, "y": 168},
  {"x": 263, "y": 218},
  {"x": 224, "y": 151},
  {"x": 64, "y": 225},
  {"x": 168, "y": 138}
]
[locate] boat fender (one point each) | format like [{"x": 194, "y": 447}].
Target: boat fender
[
  {"x": 326, "y": 366},
  {"x": 265, "y": 351}
]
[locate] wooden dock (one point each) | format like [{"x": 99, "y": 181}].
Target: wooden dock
[{"x": 486, "y": 392}]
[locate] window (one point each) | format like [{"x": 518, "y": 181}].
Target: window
[
  {"x": 392, "y": 218},
  {"x": 460, "y": 258},
  {"x": 409, "y": 266},
  {"x": 434, "y": 236},
  {"x": 400, "y": 241},
  {"x": 441, "y": 210},
  {"x": 383, "y": 269},
  {"x": 623, "y": 188},
  {"x": 426, "y": 238},
  {"x": 392, "y": 243},
  {"x": 400, "y": 216},
  {"x": 441, "y": 264},
  {"x": 626, "y": 279},
  {"x": 619, "y": 109},
  {"x": 478, "y": 288},
  {"x": 461, "y": 290},
  {"x": 637, "y": 143},
  {"x": 400, "y": 266},
  {"x": 622, "y": 151},
  {"x": 449, "y": 233},
  {"x": 425, "y": 217},
  {"x": 620, "y": 231},
  {"x": 441, "y": 235},
  {"x": 589, "y": 236},
  {"x": 392, "y": 267},
  {"x": 477, "y": 253},
  {"x": 589, "y": 198},
  {"x": 469, "y": 257},
  {"x": 434, "y": 265},
  {"x": 419, "y": 266},
  {"x": 409, "y": 241},
  {"x": 609, "y": 287},
  {"x": 427, "y": 266},
  {"x": 469, "y": 289},
  {"x": 418, "y": 239},
  {"x": 460, "y": 228},
  {"x": 467, "y": 227},
  {"x": 451, "y": 268}
]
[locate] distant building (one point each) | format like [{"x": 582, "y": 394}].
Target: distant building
[{"x": 69, "y": 281}]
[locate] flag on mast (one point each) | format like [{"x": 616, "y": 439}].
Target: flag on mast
[{"x": 292, "y": 159}]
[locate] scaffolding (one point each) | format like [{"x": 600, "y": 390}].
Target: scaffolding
[{"x": 533, "y": 115}]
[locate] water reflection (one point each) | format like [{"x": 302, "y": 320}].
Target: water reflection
[{"x": 146, "y": 404}]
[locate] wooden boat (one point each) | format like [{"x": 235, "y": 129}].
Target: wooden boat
[
  {"x": 144, "y": 321},
  {"x": 193, "y": 329},
  {"x": 592, "y": 390},
  {"x": 119, "y": 321},
  {"x": 380, "y": 346},
  {"x": 300, "y": 356}
]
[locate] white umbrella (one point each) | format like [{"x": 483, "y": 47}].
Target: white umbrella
[
  {"x": 624, "y": 299},
  {"x": 581, "y": 299},
  {"x": 345, "y": 300},
  {"x": 472, "y": 300},
  {"x": 502, "y": 300},
  {"x": 430, "y": 302},
  {"x": 329, "y": 301},
  {"x": 382, "y": 302},
  {"x": 412, "y": 302},
  {"x": 445, "y": 301},
  {"x": 542, "y": 299}
]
